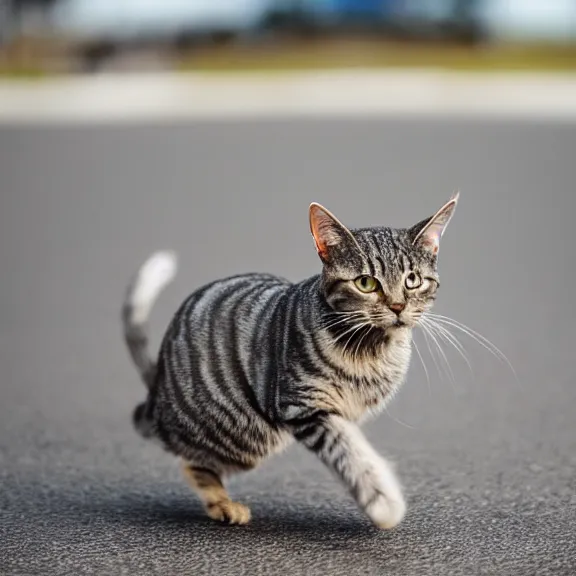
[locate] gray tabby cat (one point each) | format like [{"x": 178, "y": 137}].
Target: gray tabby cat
[{"x": 251, "y": 362}]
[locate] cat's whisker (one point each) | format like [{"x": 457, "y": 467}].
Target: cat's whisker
[
  {"x": 397, "y": 420},
  {"x": 347, "y": 318},
  {"x": 353, "y": 334},
  {"x": 423, "y": 366},
  {"x": 344, "y": 320},
  {"x": 444, "y": 333},
  {"x": 482, "y": 340},
  {"x": 350, "y": 329},
  {"x": 432, "y": 355},
  {"x": 448, "y": 334},
  {"x": 345, "y": 313},
  {"x": 443, "y": 355},
  {"x": 342, "y": 312},
  {"x": 354, "y": 352},
  {"x": 353, "y": 329},
  {"x": 357, "y": 349},
  {"x": 348, "y": 314},
  {"x": 452, "y": 339}
]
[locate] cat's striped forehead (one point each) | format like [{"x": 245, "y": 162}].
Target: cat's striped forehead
[{"x": 389, "y": 252}]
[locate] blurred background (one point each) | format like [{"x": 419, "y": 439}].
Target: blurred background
[{"x": 40, "y": 36}]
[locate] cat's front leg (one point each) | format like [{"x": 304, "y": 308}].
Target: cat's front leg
[{"x": 345, "y": 450}]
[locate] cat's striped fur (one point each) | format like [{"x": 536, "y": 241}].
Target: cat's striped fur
[{"x": 252, "y": 362}]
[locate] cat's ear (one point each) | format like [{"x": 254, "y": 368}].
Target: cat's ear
[
  {"x": 427, "y": 234},
  {"x": 328, "y": 232}
]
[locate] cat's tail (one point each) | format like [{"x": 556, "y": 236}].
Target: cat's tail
[{"x": 143, "y": 290}]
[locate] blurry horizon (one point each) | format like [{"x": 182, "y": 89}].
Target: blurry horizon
[{"x": 86, "y": 35}]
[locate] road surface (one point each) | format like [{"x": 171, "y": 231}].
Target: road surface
[{"x": 488, "y": 462}]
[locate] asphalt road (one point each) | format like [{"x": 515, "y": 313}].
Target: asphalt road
[{"x": 488, "y": 462}]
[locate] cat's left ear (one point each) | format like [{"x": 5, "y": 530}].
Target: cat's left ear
[{"x": 427, "y": 233}]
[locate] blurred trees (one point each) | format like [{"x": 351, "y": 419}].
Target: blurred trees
[{"x": 18, "y": 17}]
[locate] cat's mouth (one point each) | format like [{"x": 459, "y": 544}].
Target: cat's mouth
[{"x": 396, "y": 325}]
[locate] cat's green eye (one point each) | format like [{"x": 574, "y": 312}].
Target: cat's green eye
[{"x": 366, "y": 284}]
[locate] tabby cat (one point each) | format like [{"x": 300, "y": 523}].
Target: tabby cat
[{"x": 251, "y": 362}]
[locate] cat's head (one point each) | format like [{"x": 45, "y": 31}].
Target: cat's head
[{"x": 384, "y": 276}]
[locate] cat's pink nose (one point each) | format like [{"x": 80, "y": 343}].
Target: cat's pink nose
[{"x": 397, "y": 307}]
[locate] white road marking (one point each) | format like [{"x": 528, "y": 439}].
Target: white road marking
[{"x": 164, "y": 96}]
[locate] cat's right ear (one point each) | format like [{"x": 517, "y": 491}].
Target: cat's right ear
[{"x": 328, "y": 232}]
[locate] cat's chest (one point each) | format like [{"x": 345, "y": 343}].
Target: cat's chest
[
  {"x": 354, "y": 401},
  {"x": 363, "y": 388},
  {"x": 356, "y": 398}
]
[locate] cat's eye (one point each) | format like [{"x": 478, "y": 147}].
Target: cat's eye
[
  {"x": 413, "y": 281},
  {"x": 366, "y": 284}
]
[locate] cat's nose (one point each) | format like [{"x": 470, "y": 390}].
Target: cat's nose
[{"x": 397, "y": 307}]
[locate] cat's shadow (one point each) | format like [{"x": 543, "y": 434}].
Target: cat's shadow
[
  {"x": 174, "y": 510},
  {"x": 269, "y": 517}
]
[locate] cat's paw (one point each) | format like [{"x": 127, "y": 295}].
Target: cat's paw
[
  {"x": 228, "y": 511},
  {"x": 386, "y": 513}
]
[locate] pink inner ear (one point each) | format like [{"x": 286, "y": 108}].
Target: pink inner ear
[
  {"x": 321, "y": 251},
  {"x": 430, "y": 236},
  {"x": 433, "y": 235},
  {"x": 323, "y": 231},
  {"x": 431, "y": 239}
]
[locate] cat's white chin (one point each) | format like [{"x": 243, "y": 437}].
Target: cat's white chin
[{"x": 398, "y": 330}]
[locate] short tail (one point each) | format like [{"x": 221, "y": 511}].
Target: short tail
[{"x": 153, "y": 276}]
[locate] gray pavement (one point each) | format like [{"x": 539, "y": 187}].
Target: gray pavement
[{"x": 488, "y": 462}]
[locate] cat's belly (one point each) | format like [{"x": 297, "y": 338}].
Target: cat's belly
[{"x": 203, "y": 430}]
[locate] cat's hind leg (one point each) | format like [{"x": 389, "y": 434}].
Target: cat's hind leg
[{"x": 218, "y": 504}]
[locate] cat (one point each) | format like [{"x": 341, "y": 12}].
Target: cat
[{"x": 253, "y": 362}]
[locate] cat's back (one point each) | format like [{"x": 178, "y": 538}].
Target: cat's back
[{"x": 227, "y": 308}]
